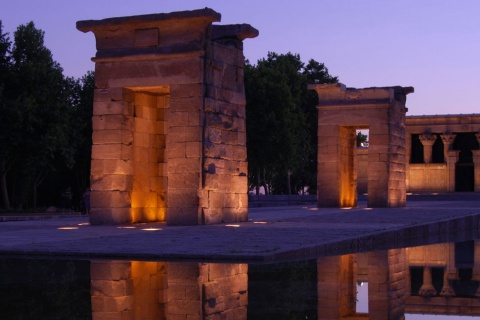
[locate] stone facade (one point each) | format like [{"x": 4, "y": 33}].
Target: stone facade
[
  {"x": 341, "y": 111},
  {"x": 442, "y": 153},
  {"x": 169, "y": 139}
]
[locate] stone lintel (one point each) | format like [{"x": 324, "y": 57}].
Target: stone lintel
[
  {"x": 446, "y": 119},
  {"x": 235, "y": 31},
  {"x": 370, "y": 103},
  {"x": 151, "y": 36},
  {"x": 149, "y": 20},
  {"x": 339, "y": 94}
]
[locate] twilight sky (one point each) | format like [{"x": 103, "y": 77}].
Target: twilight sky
[{"x": 432, "y": 45}]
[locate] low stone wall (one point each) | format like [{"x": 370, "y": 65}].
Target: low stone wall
[{"x": 280, "y": 200}]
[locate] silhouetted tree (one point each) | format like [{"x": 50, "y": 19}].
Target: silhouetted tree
[
  {"x": 46, "y": 119},
  {"x": 282, "y": 122}
]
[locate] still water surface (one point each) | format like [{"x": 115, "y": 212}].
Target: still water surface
[{"x": 439, "y": 281}]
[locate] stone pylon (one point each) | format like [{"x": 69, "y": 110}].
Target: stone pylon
[{"x": 169, "y": 139}]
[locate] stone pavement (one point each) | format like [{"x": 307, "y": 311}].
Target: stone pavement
[{"x": 271, "y": 234}]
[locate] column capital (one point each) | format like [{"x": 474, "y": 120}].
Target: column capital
[
  {"x": 448, "y": 138},
  {"x": 428, "y": 139}
]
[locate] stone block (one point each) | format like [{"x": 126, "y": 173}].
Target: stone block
[
  {"x": 182, "y": 215},
  {"x": 111, "y": 182},
  {"x": 176, "y": 150},
  {"x": 110, "y": 270},
  {"x": 110, "y": 199},
  {"x": 112, "y": 136},
  {"x": 179, "y": 119},
  {"x": 184, "y": 180},
  {"x": 223, "y": 94},
  {"x": 184, "y": 134},
  {"x": 112, "y": 304},
  {"x": 184, "y": 165},
  {"x": 111, "y": 288},
  {"x": 185, "y": 105},
  {"x": 228, "y": 54},
  {"x": 111, "y": 166},
  {"x": 216, "y": 199},
  {"x": 112, "y": 108},
  {"x": 189, "y": 90},
  {"x": 229, "y": 184},
  {"x": 182, "y": 198}
]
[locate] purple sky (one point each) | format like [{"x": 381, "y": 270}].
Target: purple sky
[{"x": 432, "y": 45}]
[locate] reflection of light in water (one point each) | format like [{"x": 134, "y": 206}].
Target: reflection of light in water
[
  {"x": 260, "y": 222},
  {"x": 368, "y": 209},
  {"x": 151, "y": 229},
  {"x": 128, "y": 227},
  {"x": 232, "y": 225},
  {"x": 346, "y": 208},
  {"x": 313, "y": 209},
  {"x": 84, "y": 224},
  {"x": 67, "y": 228}
]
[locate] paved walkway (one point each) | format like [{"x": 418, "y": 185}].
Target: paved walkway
[{"x": 277, "y": 233}]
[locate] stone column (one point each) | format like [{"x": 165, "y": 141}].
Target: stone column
[
  {"x": 447, "y": 290},
  {"x": 451, "y": 162},
  {"x": 427, "y": 289},
  {"x": 447, "y": 139},
  {"x": 427, "y": 139}
]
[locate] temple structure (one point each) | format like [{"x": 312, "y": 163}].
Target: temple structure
[
  {"x": 169, "y": 140},
  {"x": 341, "y": 111},
  {"x": 442, "y": 153}
]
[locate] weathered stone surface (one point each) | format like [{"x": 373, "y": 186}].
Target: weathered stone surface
[
  {"x": 169, "y": 101},
  {"x": 341, "y": 111}
]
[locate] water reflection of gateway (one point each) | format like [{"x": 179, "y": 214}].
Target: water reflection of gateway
[
  {"x": 433, "y": 279},
  {"x": 159, "y": 290}
]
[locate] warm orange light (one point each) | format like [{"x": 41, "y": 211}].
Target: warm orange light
[
  {"x": 67, "y": 228},
  {"x": 129, "y": 227},
  {"x": 233, "y": 225},
  {"x": 260, "y": 222},
  {"x": 84, "y": 224}
]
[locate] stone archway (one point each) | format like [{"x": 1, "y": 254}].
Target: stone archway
[
  {"x": 341, "y": 111},
  {"x": 169, "y": 139}
]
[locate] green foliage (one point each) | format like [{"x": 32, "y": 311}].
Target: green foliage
[
  {"x": 361, "y": 138},
  {"x": 282, "y": 122},
  {"x": 40, "y": 138}
]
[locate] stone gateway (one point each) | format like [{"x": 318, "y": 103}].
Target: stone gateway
[{"x": 169, "y": 140}]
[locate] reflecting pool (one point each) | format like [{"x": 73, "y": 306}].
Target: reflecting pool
[{"x": 437, "y": 281}]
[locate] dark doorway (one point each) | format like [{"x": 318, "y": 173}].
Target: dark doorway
[{"x": 464, "y": 169}]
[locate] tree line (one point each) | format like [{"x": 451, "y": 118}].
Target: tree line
[
  {"x": 45, "y": 131},
  {"x": 46, "y": 128}
]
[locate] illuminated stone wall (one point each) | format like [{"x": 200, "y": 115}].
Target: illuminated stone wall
[
  {"x": 169, "y": 119},
  {"x": 341, "y": 111},
  {"x": 430, "y": 170}
]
